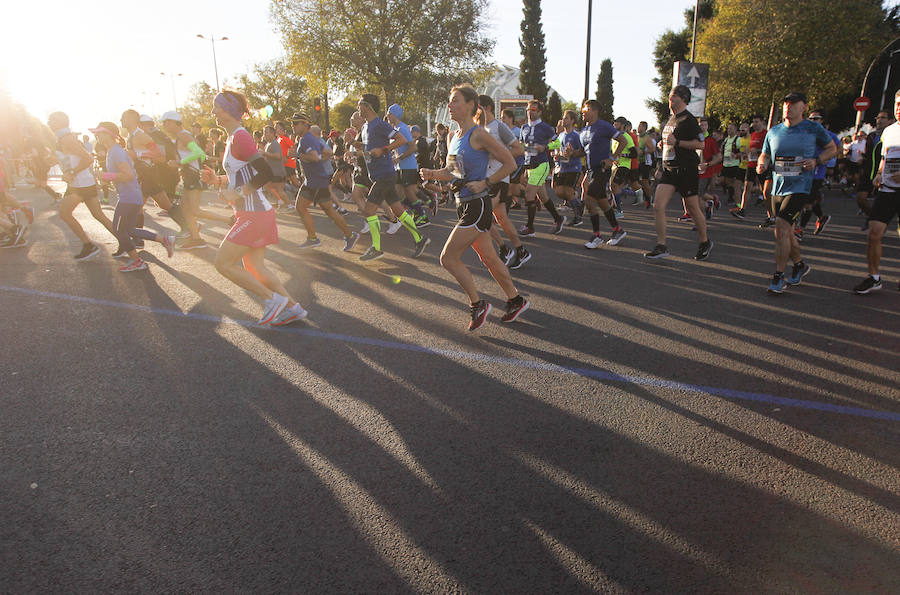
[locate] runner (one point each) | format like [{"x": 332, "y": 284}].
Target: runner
[
  {"x": 361, "y": 181},
  {"x": 887, "y": 201},
  {"x": 537, "y": 138},
  {"x": 518, "y": 255},
  {"x": 757, "y": 133},
  {"x": 376, "y": 134},
  {"x": 596, "y": 140},
  {"x": 315, "y": 190},
  {"x": 816, "y": 193},
  {"x": 682, "y": 138},
  {"x": 120, "y": 170},
  {"x": 711, "y": 157},
  {"x": 469, "y": 153},
  {"x": 188, "y": 157},
  {"x": 516, "y": 191},
  {"x": 272, "y": 152},
  {"x": 407, "y": 175},
  {"x": 731, "y": 162},
  {"x": 868, "y": 164},
  {"x": 791, "y": 145},
  {"x": 568, "y": 172},
  {"x": 646, "y": 152},
  {"x": 246, "y": 173},
  {"x": 622, "y": 174},
  {"x": 76, "y": 164}
]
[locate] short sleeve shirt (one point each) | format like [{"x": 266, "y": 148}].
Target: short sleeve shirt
[
  {"x": 710, "y": 150},
  {"x": 890, "y": 151},
  {"x": 787, "y": 147},
  {"x": 573, "y": 164},
  {"x": 316, "y": 176},
  {"x": 275, "y": 163},
  {"x": 684, "y": 127},
  {"x": 504, "y": 135},
  {"x": 596, "y": 139},
  {"x": 408, "y": 162},
  {"x": 376, "y": 134},
  {"x": 286, "y": 143},
  {"x": 536, "y": 133},
  {"x": 130, "y": 191}
]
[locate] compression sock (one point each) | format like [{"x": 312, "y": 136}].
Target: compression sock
[
  {"x": 532, "y": 210},
  {"x": 595, "y": 223},
  {"x": 375, "y": 231},
  {"x": 611, "y": 217},
  {"x": 817, "y": 209},
  {"x": 804, "y": 218},
  {"x": 407, "y": 221},
  {"x": 551, "y": 208}
]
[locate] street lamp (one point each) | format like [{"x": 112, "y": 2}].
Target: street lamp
[
  {"x": 172, "y": 80},
  {"x": 862, "y": 92},
  {"x": 212, "y": 39}
]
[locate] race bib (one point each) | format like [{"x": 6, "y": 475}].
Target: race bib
[
  {"x": 891, "y": 163},
  {"x": 789, "y": 166}
]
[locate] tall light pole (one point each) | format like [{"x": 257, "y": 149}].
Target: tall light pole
[
  {"x": 212, "y": 39},
  {"x": 172, "y": 80},
  {"x": 587, "y": 57},
  {"x": 862, "y": 91}
]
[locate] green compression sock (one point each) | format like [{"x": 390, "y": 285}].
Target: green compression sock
[
  {"x": 407, "y": 221},
  {"x": 375, "y": 231}
]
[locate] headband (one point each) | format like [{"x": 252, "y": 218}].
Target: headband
[{"x": 230, "y": 104}]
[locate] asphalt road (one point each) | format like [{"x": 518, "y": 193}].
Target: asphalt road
[{"x": 646, "y": 426}]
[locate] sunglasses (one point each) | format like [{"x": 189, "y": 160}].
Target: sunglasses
[{"x": 815, "y": 118}]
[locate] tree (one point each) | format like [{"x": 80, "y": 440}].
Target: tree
[
  {"x": 198, "y": 107},
  {"x": 271, "y": 83},
  {"x": 403, "y": 49},
  {"x": 672, "y": 47},
  {"x": 534, "y": 59},
  {"x": 553, "y": 113},
  {"x": 605, "y": 90},
  {"x": 748, "y": 72}
]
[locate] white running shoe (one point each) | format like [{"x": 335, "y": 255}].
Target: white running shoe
[
  {"x": 394, "y": 227},
  {"x": 289, "y": 315},
  {"x": 273, "y": 308}
]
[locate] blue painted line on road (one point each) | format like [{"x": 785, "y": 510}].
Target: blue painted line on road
[{"x": 594, "y": 373}]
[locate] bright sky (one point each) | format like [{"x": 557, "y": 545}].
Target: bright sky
[{"x": 93, "y": 59}]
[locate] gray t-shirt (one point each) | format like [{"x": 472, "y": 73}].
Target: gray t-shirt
[
  {"x": 275, "y": 162},
  {"x": 502, "y": 133}
]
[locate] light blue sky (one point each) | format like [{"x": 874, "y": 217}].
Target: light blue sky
[{"x": 93, "y": 59}]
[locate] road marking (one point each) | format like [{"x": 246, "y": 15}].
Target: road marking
[{"x": 594, "y": 373}]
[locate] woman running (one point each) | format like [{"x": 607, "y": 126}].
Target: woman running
[
  {"x": 120, "y": 170},
  {"x": 254, "y": 228},
  {"x": 469, "y": 151}
]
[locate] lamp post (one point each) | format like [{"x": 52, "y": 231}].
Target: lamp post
[
  {"x": 587, "y": 55},
  {"x": 862, "y": 92},
  {"x": 172, "y": 80},
  {"x": 887, "y": 77},
  {"x": 212, "y": 39}
]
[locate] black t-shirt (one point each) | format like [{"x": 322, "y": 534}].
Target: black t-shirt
[{"x": 685, "y": 127}]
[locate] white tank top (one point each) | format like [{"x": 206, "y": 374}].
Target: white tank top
[
  {"x": 239, "y": 173},
  {"x": 68, "y": 162}
]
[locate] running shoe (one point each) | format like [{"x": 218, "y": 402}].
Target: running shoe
[
  {"x": 684, "y": 217},
  {"x": 364, "y": 228},
  {"x": 798, "y": 272},
  {"x": 87, "y": 251},
  {"x": 620, "y": 214},
  {"x": 10, "y": 242},
  {"x": 617, "y": 236},
  {"x": 120, "y": 253},
  {"x": 310, "y": 243},
  {"x": 868, "y": 284},
  {"x": 558, "y": 225},
  {"x": 778, "y": 284},
  {"x": 422, "y": 221},
  {"x": 182, "y": 235},
  {"x": 738, "y": 213},
  {"x": 703, "y": 250},
  {"x": 342, "y": 210},
  {"x": 420, "y": 247},
  {"x": 371, "y": 254},
  {"x": 514, "y": 308},
  {"x": 506, "y": 254},
  {"x": 394, "y": 227},
  {"x": 707, "y": 212},
  {"x": 647, "y": 204},
  {"x": 350, "y": 241},
  {"x": 190, "y": 244},
  {"x": 168, "y": 243},
  {"x": 659, "y": 251},
  {"x": 821, "y": 223},
  {"x": 273, "y": 308},
  {"x": 135, "y": 265},
  {"x": 526, "y": 231},
  {"x": 769, "y": 222},
  {"x": 595, "y": 242},
  {"x": 716, "y": 202},
  {"x": 521, "y": 257},
  {"x": 480, "y": 311},
  {"x": 18, "y": 233},
  {"x": 289, "y": 315},
  {"x": 575, "y": 222}
]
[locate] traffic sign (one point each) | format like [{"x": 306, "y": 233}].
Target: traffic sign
[{"x": 862, "y": 104}]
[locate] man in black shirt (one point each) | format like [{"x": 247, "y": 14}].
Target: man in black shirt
[{"x": 682, "y": 138}]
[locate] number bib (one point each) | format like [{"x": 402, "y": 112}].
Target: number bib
[{"x": 789, "y": 166}]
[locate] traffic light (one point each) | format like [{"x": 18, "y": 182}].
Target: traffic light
[{"x": 317, "y": 105}]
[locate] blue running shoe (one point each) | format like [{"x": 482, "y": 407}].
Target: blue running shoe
[
  {"x": 798, "y": 272},
  {"x": 778, "y": 284}
]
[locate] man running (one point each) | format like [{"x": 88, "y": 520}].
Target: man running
[
  {"x": 407, "y": 174},
  {"x": 869, "y": 162},
  {"x": 731, "y": 161},
  {"x": 682, "y": 138},
  {"x": 376, "y": 135},
  {"x": 272, "y": 152},
  {"x": 537, "y": 138},
  {"x": 816, "y": 193},
  {"x": 596, "y": 141},
  {"x": 791, "y": 147},
  {"x": 569, "y": 173},
  {"x": 622, "y": 176},
  {"x": 646, "y": 152},
  {"x": 188, "y": 157}
]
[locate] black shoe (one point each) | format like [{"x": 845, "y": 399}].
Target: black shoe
[
  {"x": 703, "y": 250},
  {"x": 420, "y": 246},
  {"x": 575, "y": 222},
  {"x": 87, "y": 251},
  {"x": 821, "y": 223},
  {"x": 769, "y": 222},
  {"x": 505, "y": 253},
  {"x": 480, "y": 311},
  {"x": 659, "y": 251},
  {"x": 514, "y": 308},
  {"x": 522, "y": 256},
  {"x": 868, "y": 284}
]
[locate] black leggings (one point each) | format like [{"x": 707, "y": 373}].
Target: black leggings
[{"x": 125, "y": 221}]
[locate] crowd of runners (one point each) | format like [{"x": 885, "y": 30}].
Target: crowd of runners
[{"x": 484, "y": 164}]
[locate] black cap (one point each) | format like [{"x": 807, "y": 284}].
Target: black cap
[
  {"x": 795, "y": 97},
  {"x": 300, "y": 117},
  {"x": 621, "y": 120}
]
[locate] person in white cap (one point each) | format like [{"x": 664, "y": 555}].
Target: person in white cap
[{"x": 187, "y": 162}]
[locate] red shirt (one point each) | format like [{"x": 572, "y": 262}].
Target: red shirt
[
  {"x": 286, "y": 143},
  {"x": 635, "y": 161},
  {"x": 756, "y": 144},
  {"x": 710, "y": 149}
]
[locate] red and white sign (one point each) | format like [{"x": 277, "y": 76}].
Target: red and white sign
[{"x": 862, "y": 104}]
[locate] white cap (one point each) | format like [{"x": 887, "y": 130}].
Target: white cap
[
  {"x": 174, "y": 116},
  {"x": 146, "y": 118}
]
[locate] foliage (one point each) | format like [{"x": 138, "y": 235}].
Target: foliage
[
  {"x": 198, "y": 107},
  {"x": 605, "y": 90},
  {"x": 533, "y": 67},
  {"x": 553, "y": 112},
  {"x": 403, "y": 49},
  {"x": 797, "y": 52},
  {"x": 271, "y": 83}
]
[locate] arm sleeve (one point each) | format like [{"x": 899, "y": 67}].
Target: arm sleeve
[
  {"x": 195, "y": 154},
  {"x": 263, "y": 172},
  {"x": 554, "y": 144},
  {"x": 505, "y": 134}
]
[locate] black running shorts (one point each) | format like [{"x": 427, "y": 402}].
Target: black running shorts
[
  {"x": 595, "y": 183},
  {"x": 792, "y": 205},
  {"x": 317, "y": 196},
  {"x": 885, "y": 207},
  {"x": 565, "y": 178},
  {"x": 685, "y": 179},
  {"x": 383, "y": 191},
  {"x": 475, "y": 213}
]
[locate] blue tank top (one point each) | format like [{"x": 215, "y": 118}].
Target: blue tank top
[{"x": 467, "y": 163}]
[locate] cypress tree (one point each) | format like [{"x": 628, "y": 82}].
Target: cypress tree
[
  {"x": 605, "y": 90},
  {"x": 534, "y": 59},
  {"x": 553, "y": 113}
]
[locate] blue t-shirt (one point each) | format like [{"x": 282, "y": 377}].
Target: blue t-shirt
[
  {"x": 787, "y": 147},
  {"x": 596, "y": 139},
  {"x": 329, "y": 169},
  {"x": 316, "y": 177},
  {"x": 376, "y": 134},
  {"x": 408, "y": 162},
  {"x": 130, "y": 191},
  {"x": 821, "y": 170},
  {"x": 520, "y": 159},
  {"x": 573, "y": 164},
  {"x": 536, "y": 133}
]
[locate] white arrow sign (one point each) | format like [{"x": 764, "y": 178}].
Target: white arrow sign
[{"x": 694, "y": 77}]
